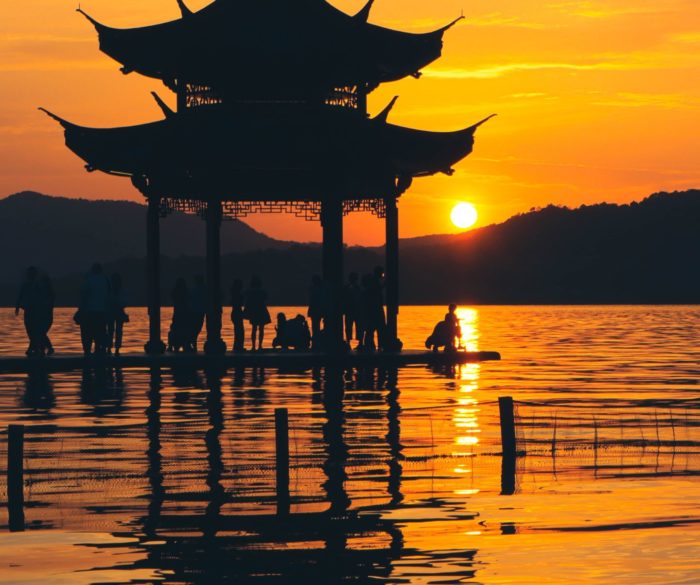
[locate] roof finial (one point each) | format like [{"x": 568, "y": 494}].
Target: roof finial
[
  {"x": 58, "y": 119},
  {"x": 455, "y": 21},
  {"x": 384, "y": 114},
  {"x": 363, "y": 15},
  {"x": 475, "y": 126},
  {"x": 96, "y": 24},
  {"x": 167, "y": 110},
  {"x": 184, "y": 9}
]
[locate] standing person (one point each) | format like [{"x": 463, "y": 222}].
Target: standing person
[
  {"x": 237, "y": 303},
  {"x": 198, "y": 310},
  {"x": 317, "y": 309},
  {"x": 366, "y": 308},
  {"x": 28, "y": 301},
  {"x": 373, "y": 307},
  {"x": 256, "y": 311},
  {"x": 180, "y": 326},
  {"x": 352, "y": 299},
  {"x": 94, "y": 306},
  {"x": 47, "y": 300},
  {"x": 117, "y": 316},
  {"x": 378, "y": 306}
]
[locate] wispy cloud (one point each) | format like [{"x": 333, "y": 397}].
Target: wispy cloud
[
  {"x": 639, "y": 100},
  {"x": 494, "y": 71},
  {"x": 511, "y": 160},
  {"x": 606, "y": 9},
  {"x": 498, "y": 19},
  {"x": 687, "y": 37},
  {"x": 56, "y": 65}
]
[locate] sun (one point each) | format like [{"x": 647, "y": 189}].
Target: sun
[{"x": 464, "y": 215}]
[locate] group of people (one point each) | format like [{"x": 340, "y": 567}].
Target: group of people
[
  {"x": 363, "y": 310},
  {"x": 102, "y": 314},
  {"x": 189, "y": 312},
  {"x": 363, "y": 314}
]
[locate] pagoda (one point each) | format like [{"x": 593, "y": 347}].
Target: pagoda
[{"x": 271, "y": 117}]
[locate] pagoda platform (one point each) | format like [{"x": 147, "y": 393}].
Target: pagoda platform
[{"x": 290, "y": 360}]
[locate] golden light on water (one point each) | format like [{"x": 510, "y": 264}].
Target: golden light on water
[
  {"x": 464, "y": 215},
  {"x": 465, "y": 417}
]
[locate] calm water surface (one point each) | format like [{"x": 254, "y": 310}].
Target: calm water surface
[{"x": 139, "y": 476}]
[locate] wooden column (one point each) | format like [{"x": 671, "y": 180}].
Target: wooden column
[
  {"x": 15, "y": 477},
  {"x": 214, "y": 344},
  {"x": 282, "y": 459},
  {"x": 155, "y": 345},
  {"x": 392, "y": 342},
  {"x": 181, "y": 97},
  {"x": 362, "y": 97},
  {"x": 332, "y": 223}
]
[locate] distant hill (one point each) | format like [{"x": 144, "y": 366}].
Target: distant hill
[
  {"x": 643, "y": 252},
  {"x": 61, "y": 234}
]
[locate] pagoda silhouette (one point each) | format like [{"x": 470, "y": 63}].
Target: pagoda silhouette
[{"x": 271, "y": 117}]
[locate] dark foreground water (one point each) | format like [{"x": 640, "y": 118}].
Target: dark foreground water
[{"x": 141, "y": 476}]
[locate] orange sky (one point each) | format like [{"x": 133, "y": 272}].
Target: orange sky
[{"x": 598, "y": 100}]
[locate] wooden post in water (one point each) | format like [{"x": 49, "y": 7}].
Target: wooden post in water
[
  {"x": 505, "y": 407},
  {"x": 15, "y": 477},
  {"x": 282, "y": 459}
]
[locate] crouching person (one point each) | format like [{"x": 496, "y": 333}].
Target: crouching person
[{"x": 446, "y": 333}]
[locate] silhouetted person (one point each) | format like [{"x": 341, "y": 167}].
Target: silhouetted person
[
  {"x": 292, "y": 333},
  {"x": 378, "y": 305},
  {"x": 373, "y": 316},
  {"x": 181, "y": 325},
  {"x": 256, "y": 311},
  {"x": 117, "y": 316},
  {"x": 94, "y": 306},
  {"x": 237, "y": 304},
  {"x": 45, "y": 307},
  {"x": 198, "y": 309},
  {"x": 446, "y": 332},
  {"x": 352, "y": 301},
  {"x": 317, "y": 308},
  {"x": 29, "y": 301}
]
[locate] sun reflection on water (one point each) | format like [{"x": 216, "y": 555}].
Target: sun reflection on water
[{"x": 465, "y": 417}]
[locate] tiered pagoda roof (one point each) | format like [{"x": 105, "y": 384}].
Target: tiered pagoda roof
[
  {"x": 264, "y": 48},
  {"x": 270, "y": 152},
  {"x": 263, "y": 139}
]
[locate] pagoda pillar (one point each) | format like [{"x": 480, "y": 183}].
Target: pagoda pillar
[
  {"x": 392, "y": 341},
  {"x": 332, "y": 224},
  {"x": 214, "y": 345},
  {"x": 155, "y": 345}
]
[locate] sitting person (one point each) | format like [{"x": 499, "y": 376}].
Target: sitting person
[
  {"x": 446, "y": 332},
  {"x": 292, "y": 333}
]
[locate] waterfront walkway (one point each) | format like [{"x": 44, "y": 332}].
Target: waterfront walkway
[{"x": 266, "y": 359}]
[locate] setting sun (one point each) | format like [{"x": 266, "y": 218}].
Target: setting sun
[{"x": 464, "y": 215}]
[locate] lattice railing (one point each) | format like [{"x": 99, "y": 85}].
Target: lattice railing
[{"x": 308, "y": 210}]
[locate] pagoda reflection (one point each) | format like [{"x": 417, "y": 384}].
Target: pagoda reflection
[{"x": 340, "y": 542}]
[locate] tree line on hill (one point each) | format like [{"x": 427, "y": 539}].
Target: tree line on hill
[{"x": 643, "y": 252}]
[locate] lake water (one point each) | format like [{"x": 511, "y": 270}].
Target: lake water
[{"x": 138, "y": 476}]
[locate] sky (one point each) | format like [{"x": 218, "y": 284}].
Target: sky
[{"x": 597, "y": 100}]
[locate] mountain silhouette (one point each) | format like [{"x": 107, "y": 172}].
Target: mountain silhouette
[
  {"x": 63, "y": 234},
  {"x": 642, "y": 252}
]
